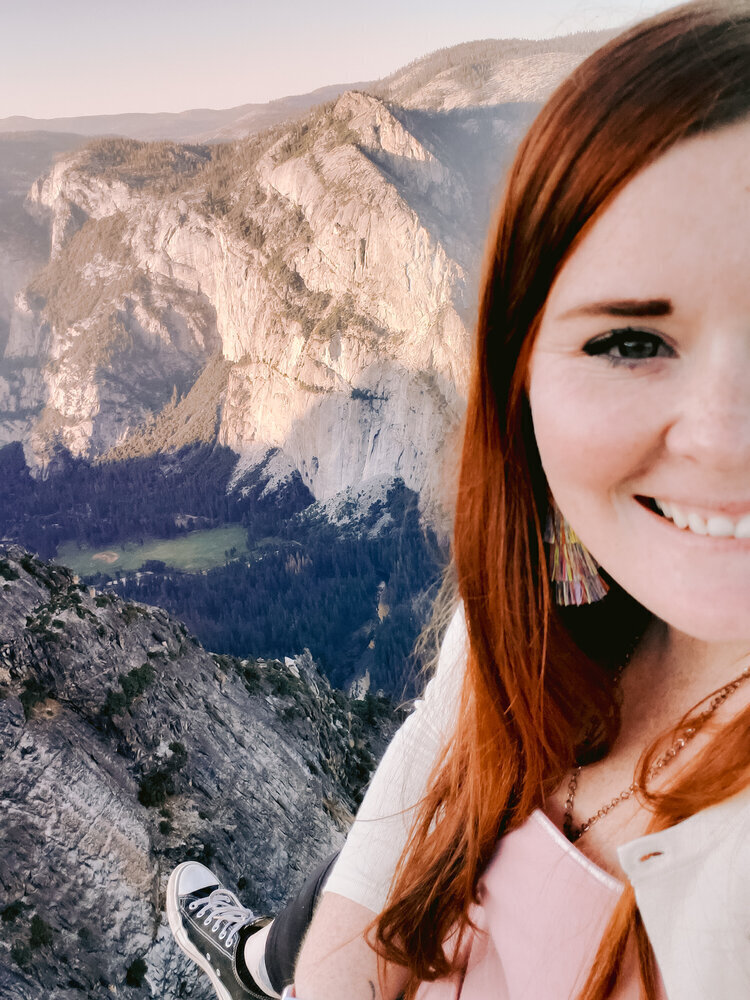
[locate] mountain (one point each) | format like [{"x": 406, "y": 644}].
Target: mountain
[
  {"x": 330, "y": 263},
  {"x": 301, "y": 297},
  {"x": 127, "y": 748},
  {"x": 493, "y": 71},
  {"x": 308, "y": 290}
]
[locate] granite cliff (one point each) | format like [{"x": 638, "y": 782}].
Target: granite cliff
[{"x": 329, "y": 263}]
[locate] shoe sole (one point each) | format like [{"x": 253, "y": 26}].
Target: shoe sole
[{"x": 185, "y": 944}]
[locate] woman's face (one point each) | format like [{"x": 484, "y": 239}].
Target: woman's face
[{"x": 639, "y": 387}]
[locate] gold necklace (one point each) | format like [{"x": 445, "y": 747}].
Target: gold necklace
[{"x": 573, "y": 832}]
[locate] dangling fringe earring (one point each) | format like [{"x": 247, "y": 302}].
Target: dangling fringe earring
[{"x": 572, "y": 568}]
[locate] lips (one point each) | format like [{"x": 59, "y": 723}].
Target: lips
[{"x": 717, "y": 525}]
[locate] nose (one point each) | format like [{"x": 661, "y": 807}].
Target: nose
[{"x": 711, "y": 424}]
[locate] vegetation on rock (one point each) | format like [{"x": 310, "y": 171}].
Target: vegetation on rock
[{"x": 198, "y": 767}]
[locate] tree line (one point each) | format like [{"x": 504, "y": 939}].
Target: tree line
[
  {"x": 97, "y": 504},
  {"x": 307, "y": 582},
  {"x": 324, "y": 598}
]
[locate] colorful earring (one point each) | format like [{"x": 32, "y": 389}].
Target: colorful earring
[{"x": 572, "y": 569}]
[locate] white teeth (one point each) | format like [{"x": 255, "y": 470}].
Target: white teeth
[
  {"x": 720, "y": 527},
  {"x": 697, "y": 525},
  {"x": 717, "y": 526},
  {"x": 679, "y": 517}
]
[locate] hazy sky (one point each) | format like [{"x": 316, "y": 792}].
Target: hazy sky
[{"x": 76, "y": 57}]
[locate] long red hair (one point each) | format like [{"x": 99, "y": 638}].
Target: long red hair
[{"x": 538, "y": 691}]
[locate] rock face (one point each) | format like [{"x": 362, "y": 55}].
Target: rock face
[
  {"x": 324, "y": 263},
  {"x": 24, "y": 250},
  {"x": 331, "y": 262},
  {"x": 127, "y": 748}
]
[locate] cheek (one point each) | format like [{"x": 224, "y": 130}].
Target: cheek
[{"x": 592, "y": 439}]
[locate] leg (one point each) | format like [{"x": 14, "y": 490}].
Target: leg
[
  {"x": 240, "y": 953},
  {"x": 290, "y": 926}
]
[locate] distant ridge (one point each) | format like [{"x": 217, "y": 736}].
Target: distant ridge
[
  {"x": 489, "y": 71},
  {"x": 198, "y": 124}
]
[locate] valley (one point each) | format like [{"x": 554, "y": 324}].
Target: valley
[{"x": 196, "y": 551}]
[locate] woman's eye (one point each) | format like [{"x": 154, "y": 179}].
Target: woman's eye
[{"x": 628, "y": 346}]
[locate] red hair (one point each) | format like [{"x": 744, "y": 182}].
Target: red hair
[{"x": 538, "y": 692}]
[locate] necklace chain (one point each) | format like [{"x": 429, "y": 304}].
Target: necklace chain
[{"x": 573, "y": 832}]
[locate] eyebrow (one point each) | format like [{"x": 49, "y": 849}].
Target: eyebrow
[{"x": 623, "y": 307}]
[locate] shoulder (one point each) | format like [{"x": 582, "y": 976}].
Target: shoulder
[
  {"x": 455, "y": 640},
  {"x": 454, "y": 649}
]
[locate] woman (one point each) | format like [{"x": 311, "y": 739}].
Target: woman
[{"x": 610, "y": 403}]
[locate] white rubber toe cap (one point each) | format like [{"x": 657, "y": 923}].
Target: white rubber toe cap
[{"x": 191, "y": 876}]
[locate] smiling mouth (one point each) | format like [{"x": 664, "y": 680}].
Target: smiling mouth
[{"x": 716, "y": 526}]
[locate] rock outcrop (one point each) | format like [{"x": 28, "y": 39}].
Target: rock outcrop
[{"x": 127, "y": 748}]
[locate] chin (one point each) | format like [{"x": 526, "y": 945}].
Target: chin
[
  {"x": 700, "y": 588},
  {"x": 711, "y": 630}
]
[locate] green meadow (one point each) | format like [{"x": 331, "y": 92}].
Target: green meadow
[{"x": 193, "y": 552}]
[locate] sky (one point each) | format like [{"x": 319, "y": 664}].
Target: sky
[{"x": 82, "y": 57}]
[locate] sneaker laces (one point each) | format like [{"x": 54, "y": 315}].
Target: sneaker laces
[{"x": 227, "y": 913}]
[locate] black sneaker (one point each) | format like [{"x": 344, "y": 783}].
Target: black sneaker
[{"x": 211, "y": 926}]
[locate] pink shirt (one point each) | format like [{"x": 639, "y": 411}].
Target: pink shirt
[{"x": 544, "y": 907}]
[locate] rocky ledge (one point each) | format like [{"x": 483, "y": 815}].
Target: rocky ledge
[{"x": 125, "y": 748}]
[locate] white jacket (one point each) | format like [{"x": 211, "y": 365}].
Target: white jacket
[
  {"x": 692, "y": 884},
  {"x": 692, "y": 881}
]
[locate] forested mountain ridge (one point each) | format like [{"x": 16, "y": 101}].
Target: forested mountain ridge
[
  {"x": 194, "y": 125},
  {"x": 127, "y": 748},
  {"x": 491, "y": 71}
]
